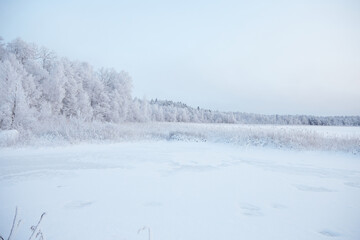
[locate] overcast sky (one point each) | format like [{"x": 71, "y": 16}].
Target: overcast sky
[{"x": 285, "y": 57}]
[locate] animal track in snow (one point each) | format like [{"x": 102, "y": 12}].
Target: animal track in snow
[
  {"x": 352, "y": 184},
  {"x": 312, "y": 189},
  {"x": 153, "y": 204},
  {"x": 329, "y": 233},
  {"x": 251, "y": 210},
  {"x": 278, "y": 206},
  {"x": 78, "y": 204}
]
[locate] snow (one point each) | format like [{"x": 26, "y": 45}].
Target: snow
[
  {"x": 8, "y": 137},
  {"x": 180, "y": 190}
]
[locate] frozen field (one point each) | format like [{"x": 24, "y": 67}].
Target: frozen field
[{"x": 180, "y": 190}]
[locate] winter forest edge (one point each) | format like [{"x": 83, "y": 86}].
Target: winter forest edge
[{"x": 40, "y": 90}]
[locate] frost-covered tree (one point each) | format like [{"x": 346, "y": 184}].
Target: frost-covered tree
[
  {"x": 118, "y": 88},
  {"x": 22, "y": 50},
  {"x": 14, "y": 111}
]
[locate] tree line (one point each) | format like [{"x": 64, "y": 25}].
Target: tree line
[{"x": 38, "y": 86}]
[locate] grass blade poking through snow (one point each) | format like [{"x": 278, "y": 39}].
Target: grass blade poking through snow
[
  {"x": 35, "y": 228},
  {"x": 143, "y": 229},
  {"x": 14, "y": 226}
]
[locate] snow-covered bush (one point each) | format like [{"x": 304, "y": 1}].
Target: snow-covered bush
[
  {"x": 283, "y": 137},
  {"x": 8, "y": 137}
]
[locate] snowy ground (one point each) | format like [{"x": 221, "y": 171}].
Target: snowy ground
[{"x": 181, "y": 190}]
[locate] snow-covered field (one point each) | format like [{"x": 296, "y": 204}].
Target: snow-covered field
[
  {"x": 323, "y": 138},
  {"x": 180, "y": 190}
]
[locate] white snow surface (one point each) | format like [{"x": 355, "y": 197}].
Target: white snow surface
[{"x": 180, "y": 190}]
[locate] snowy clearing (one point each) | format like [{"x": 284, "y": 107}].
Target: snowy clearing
[{"x": 180, "y": 190}]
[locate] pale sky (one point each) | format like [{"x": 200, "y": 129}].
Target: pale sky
[{"x": 273, "y": 57}]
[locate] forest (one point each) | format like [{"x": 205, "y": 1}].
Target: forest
[{"x": 37, "y": 86}]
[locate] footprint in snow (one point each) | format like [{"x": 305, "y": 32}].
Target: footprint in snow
[
  {"x": 77, "y": 204},
  {"x": 278, "y": 206},
  {"x": 312, "y": 189},
  {"x": 153, "y": 204},
  {"x": 329, "y": 233},
  {"x": 251, "y": 210},
  {"x": 352, "y": 184}
]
